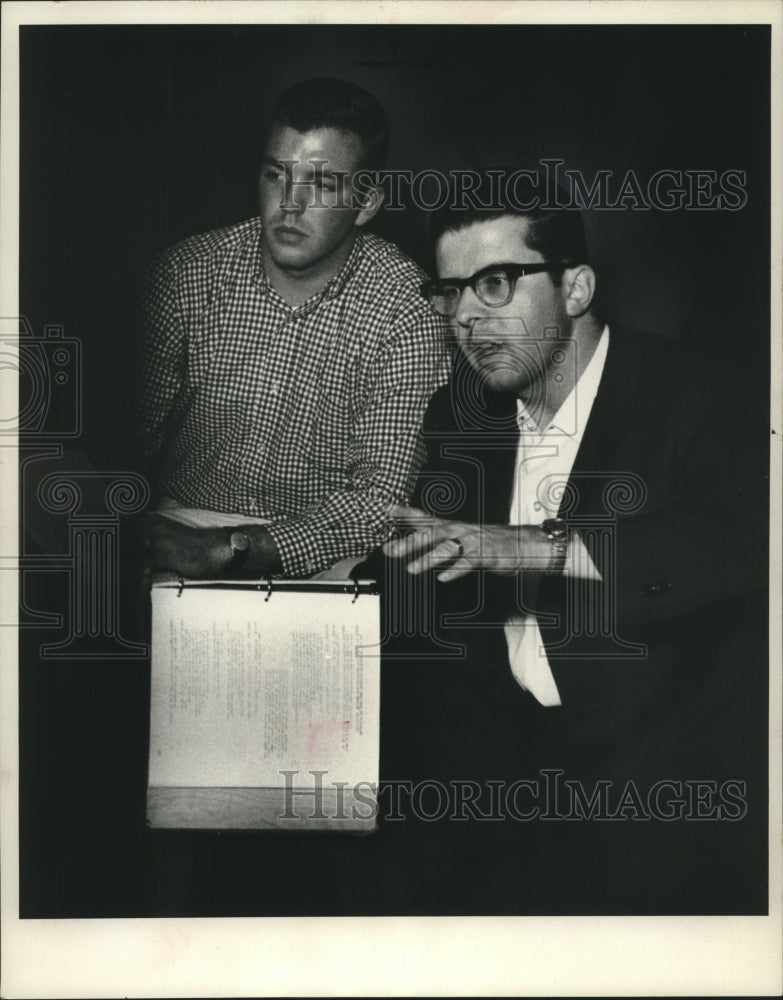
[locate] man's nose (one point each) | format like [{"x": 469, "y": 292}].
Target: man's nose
[
  {"x": 295, "y": 197},
  {"x": 469, "y": 308}
]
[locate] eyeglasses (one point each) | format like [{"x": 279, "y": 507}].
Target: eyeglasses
[{"x": 493, "y": 285}]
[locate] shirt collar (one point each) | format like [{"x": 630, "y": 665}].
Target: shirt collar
[
  {"x": 336, "y": 284},
  {"x": 572, "y": 416},
  {"x": 331, "y": 289}
]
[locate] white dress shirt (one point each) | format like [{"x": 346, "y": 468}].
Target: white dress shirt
[{"x": 543, "y": 459}]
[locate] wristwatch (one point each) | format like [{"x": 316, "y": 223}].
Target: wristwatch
[
  {"x": 556, "y": 530},
  {"x": 240, "y": 549}
]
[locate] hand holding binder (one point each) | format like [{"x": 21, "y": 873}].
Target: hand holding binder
[{"x": 206, "y": 552}]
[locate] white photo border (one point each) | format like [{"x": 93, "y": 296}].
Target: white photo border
[{"x": 381, "y": 956}]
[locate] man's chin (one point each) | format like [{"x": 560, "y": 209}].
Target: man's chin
[
  {"x": 289, "y": 258},
  {"x": 500, "y": 378}
]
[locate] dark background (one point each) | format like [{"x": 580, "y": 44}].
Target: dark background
[{"x": 135, "y": 137}]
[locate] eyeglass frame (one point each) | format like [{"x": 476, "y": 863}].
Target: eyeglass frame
[{"x": 514, "y": 271}]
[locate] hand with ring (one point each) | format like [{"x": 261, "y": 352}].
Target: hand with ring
[{"x": 455, "y": 548}]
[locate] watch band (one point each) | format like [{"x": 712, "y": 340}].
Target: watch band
[{"x": 556, "y": 530}]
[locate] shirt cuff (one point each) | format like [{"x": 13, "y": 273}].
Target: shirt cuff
[
  {"x": 578, "y": 560},
  {"x": 297, "y": 545}
]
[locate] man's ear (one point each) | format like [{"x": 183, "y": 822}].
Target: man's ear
[
  {"x": 578, "y": 289},
  {"x": 369, "y": 202}
]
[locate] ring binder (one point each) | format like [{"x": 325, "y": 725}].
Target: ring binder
[
  {"x": 233, "y": 742},
  {"x": 351, "y": 586}
]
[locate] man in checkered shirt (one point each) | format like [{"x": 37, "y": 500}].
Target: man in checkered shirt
[{"x": 288, "y": 361}]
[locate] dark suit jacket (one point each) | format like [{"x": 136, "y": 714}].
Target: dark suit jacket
[
  {"x": 663, "y": 665},
  {"x": 661, "y": 668}
]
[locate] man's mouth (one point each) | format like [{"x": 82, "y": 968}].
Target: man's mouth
[
  {"x": 484, "y": 355},
  {"x": 288, "y": 233}
]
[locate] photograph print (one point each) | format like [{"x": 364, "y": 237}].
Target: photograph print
[{"x": 477, "y": 312}]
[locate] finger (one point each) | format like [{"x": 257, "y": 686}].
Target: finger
[
  {"x": 402, "y": 510},
  {"x": 460, "y": 568},
  {"x": 411, "y": 517},
  {"x": 418, "y": 541},
  {"x": 408, "y": 545},
  {"x": 444, "y": 553}
]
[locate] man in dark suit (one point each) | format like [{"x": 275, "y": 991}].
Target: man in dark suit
[{"x": 591, "y": 533}]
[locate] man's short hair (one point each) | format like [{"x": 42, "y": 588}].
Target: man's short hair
[
  {"x": 556, "y": 232},
  {"x": 338, "y": 104}
]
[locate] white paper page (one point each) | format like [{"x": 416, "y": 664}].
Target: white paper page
[{"x": 244, "y": 688}]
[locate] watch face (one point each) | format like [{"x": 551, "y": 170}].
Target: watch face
[{"x": 239, "y": 541}]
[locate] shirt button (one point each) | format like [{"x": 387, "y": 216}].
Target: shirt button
[{"x": 537, "y": 505}]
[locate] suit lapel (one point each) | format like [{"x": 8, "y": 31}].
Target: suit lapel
[
  {"x": 602, "y": 442},
  {"x": 600, "y": 451}
]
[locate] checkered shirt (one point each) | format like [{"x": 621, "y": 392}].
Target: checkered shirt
[{"x": 307, "y": 416}]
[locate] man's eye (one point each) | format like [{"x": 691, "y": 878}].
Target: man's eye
[
  {"x": 495, "y": 280},
  {"x": 272, "y": 175}
]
